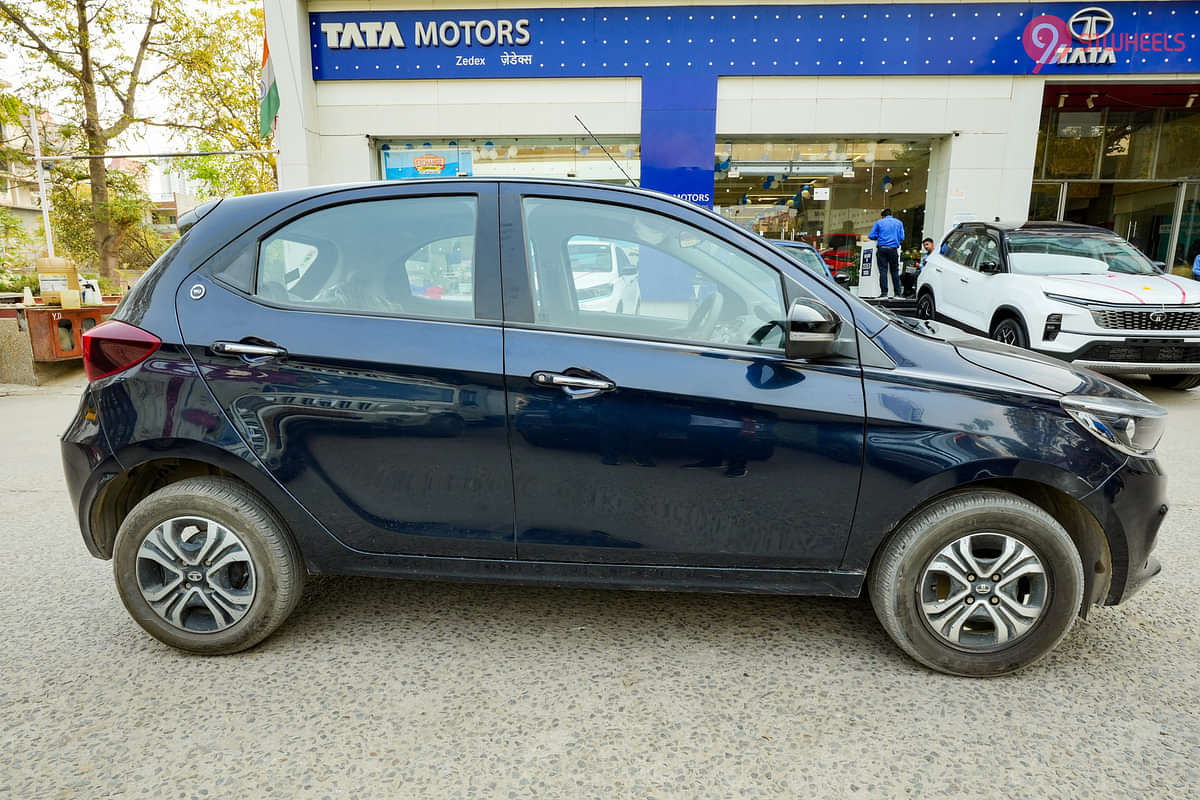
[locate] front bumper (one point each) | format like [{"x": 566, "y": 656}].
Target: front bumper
[
  {"x": 1125, "y": 355},
  {"x": 1138, "y": 367},
  {"x": 1131, "y": 506}
]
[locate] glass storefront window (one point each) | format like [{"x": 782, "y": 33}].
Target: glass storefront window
[
  {"x": 1043, "y": 202},
  {"x": 1187, "y": 244},
  {"x": 1140, "y": 212},
  {"x": 825, "y": 192},
  {"x": 1128, "y": 144},
  {"x": 527, "y": 157},
  {"x": 1179, "y": 147},
  {"x": 1074, "y": 144}
]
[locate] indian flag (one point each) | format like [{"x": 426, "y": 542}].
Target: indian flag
[{"x": 268, "y": 99}]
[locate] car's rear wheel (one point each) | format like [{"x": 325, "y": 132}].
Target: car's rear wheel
[
  {"x": 204, "y": 565},
  {"x": 1009, "y": 330},
  {"x": 979, "y": 583},
  {"x": 1174, "y": 381},
  {"x": 925, "y": 306}
]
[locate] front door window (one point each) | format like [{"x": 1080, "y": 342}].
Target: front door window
[{"x": 616, "y": 270}]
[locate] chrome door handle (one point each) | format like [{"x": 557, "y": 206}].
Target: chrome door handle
[
  {"x": 937, "y": 269},
  {"x": 578, "y": 387},
  {"x": 250, "y": 351},
  {"x": 964, "y": 280}
]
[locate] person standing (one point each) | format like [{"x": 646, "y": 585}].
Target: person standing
[
  {"x": 926, "y": 246},
  {"x": 888, "y": 233}
]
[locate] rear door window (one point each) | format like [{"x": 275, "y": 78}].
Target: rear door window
[{"x": 403, "y": 256}]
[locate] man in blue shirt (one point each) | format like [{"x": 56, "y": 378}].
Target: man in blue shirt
[{"x": 888, "y": 233}]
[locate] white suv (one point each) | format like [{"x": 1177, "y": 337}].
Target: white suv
[
  {"x": 1076, "y": 292},
  {"x": 605, "y": 278}
]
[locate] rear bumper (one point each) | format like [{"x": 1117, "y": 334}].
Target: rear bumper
[{"x": 87, "y": 465}]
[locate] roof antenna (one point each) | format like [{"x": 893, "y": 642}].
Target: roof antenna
[{"x": 610, "y": 155}]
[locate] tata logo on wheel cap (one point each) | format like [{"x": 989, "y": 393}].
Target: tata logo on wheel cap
[{"x": 1089, "y": 37}]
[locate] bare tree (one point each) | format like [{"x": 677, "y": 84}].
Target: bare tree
[{"x": 95, "y": 75}]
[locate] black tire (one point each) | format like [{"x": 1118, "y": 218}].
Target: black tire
[
  {"x": 1010, "y": 330},
  {"x": 900, "y": 564},
  {"x": 278, "y": 569},
  {"x": 1174, "y": 381},
  {"x": 926, "y": 308}
]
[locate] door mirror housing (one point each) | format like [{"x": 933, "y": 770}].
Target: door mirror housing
[
  {"x": 812, "y": 330},
  {"x": 989, "y": 268},
  {"x": 842, "y": 279},
  {"x": 1161, "y": 266}
]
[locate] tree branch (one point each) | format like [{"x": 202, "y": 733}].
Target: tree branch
[
  {"x": 55, "y": 58},
  {"x": 118, "y": 127}
]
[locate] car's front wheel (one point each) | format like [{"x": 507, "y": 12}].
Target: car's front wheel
[
  {"x": 1010, "y": 331},
  {"x": 978, "y": 583},
  {"x": 925, "y": 306},
  {"x": 1172, "y": 381},
  {"x": 204, "y": 565}
]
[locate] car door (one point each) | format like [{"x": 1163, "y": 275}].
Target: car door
[
  {"x": 355, "y": 343},
  {"x": 979, "y": 295},
  {"x": 677, "y": 434},
  {"x": 956, "y": 277}
]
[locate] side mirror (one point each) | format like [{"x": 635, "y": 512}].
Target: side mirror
[
  {"x": 1161, "y": 265},
  {"x": 989, "y": 268},
  {"x": 842, "y": 279},
  {"x": 812, "y": 330}
]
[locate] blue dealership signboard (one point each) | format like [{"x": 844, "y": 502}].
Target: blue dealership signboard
[{"x": 680, "y": 51}]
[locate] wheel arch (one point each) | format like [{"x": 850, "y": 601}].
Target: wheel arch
[
  {"x": 1007, "y": 311},
  {"x": 1095, "y": 551},
  {"x": 147, "y": 468}
]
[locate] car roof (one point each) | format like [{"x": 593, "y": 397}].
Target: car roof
[{"x": 1041, "y": 226}]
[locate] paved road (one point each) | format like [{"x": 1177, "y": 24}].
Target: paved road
[{"x": 380, "y": 688}]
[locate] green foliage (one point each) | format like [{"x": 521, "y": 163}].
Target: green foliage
[
  {"x": 215, "y": 91},
  {"x": 13, "y": 237},
  {"x": 17, "y": 281},
  {"x": 72, "y": 218}
]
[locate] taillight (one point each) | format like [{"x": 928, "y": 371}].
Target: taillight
[{"x": 114, "y": 346}]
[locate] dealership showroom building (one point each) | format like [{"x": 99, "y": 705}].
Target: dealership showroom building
[{"x": 796, "y": 120}]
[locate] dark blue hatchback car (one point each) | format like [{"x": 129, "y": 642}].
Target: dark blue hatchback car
[{"x": 433, "y": 380}]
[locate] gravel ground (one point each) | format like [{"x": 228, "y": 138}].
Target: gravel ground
[{"x": 379, "y": 688}]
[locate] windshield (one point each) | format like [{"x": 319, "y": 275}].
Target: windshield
[
  {"x": 1074, "y": 254},
  {"x": 808, "y": 258}
]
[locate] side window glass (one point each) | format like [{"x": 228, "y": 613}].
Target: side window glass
[
  {"x": 988, "y": 249},
  {"x": 611, "y": 269},
  {"x": 444, "y": 270},
  {"x": 407, "y": 256},
  {"x": 963, "y": 251}
]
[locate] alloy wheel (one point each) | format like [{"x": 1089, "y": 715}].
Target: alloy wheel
[
  {"x": 925, "y": 307},
  {"x": 983, "y": 591},
  {"x": 196, "y": 574},
  {"x": 1007, "y": 333}
]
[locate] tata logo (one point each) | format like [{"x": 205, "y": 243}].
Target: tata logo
[
  {"x": 1158, "y": 316},
  {"x": 1090, "y": 24}
]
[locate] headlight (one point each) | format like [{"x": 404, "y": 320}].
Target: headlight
[
  {"x": 1062, "y": 298},
  {"x": 594, "y": 292},
  {"x": 1130, "y": 426}
]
